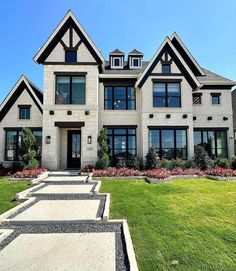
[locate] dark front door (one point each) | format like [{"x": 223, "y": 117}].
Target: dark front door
[{"x": 74, "y": 149}]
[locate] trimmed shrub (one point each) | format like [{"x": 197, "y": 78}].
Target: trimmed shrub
[
  {"x": 103, "y": 157},
  {"x": 201, "y": 158},
  {"x": 17, "y": 166},
  {"x": 233, "y": 162},
  {"x": 223, "y": 163},
  {"x": 152, "y": 160},
  {"x": 158, "y": 173},
  {"x": 134, "y": 162}
]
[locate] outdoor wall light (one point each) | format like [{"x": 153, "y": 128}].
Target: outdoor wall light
[
  {"x": 89, "y": 140},
  {"x": 48, "y": 139}
]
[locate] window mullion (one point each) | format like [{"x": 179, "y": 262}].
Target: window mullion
[
  {"x": 175, "y": 145},
  {"x": 70, "y": 89},
  {"x": 166, "y": 87},
  {"x": 160, "y": 143}
]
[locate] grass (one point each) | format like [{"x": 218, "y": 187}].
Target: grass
[
  {"x": 8, "y": 190},
  {"x": 191, "y": 221}
]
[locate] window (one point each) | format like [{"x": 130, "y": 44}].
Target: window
[
  {"x": 71, "y": 56},
  {"x": 166, "y": 68},
  {"x": 215, "y": 98},
  {"x": 197, "y": 98},
  {"x": 213, "y": 141},
  {"x": 169, "y": 143},
  {"x": 13, "y": 145},
  {"x": 166, "y": 95},
  {"x": 70, "y": 89},
  {"x": 24, "y": 112},
  {"x": 117, "y": 61},
  {"x": 119, "y": 98},
  {"x": 122, "y": 142}
]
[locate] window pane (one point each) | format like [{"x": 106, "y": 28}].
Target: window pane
[
  {"x": 215, "y": 99},
  {"x": 181, "y": 153},
  {"x": 221, "y": 141},
  {"x": 135, "y": 62},
  {"x": 131, "y": 105},
  {"x": 159, "y": 89},
  {"x": 159, "y": 101},
  {"x": 119, "y": 93},
  {"x": 173, "y": 101},
  {"x": 166, "y": 69},
  {"x": 119, "y": 104},
  {"x": 108, "y": 104},
  {"x": 168, "y": 153},
  {"x": 119, "y": 131},
  {"x": 131, "y": 142},
  {"x": 63, "y": 90},
  {"x": 181, "y": 139},
  {"x": 131, "y": 131},
  {"x": 25, "y": 113},
  {"x": 108, "y": 93},
  {"x": 78, "y": 90},
  {"x": 71, "y": 56},
  {"x": 197, "y": 138},
  {"x": 131, "y": 93},
  {"x": 11, "y": 144},
  {"x": 131, "y": 152},
  {"x": 167, "y": 139},
  {"x": 38, "y": 144},
  {"x": 173, "y": 89},
  {"x": 154, "y": 139},
  {"x": 117, "y": 62}
]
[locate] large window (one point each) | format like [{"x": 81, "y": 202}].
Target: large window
[
  {"x": 122, "y": 142},
  {"x": 166, "y": 95},
  {"x": 119, "y": 98},
  {"x": 70, "y": 89},
  {"x": 169, "y": 143},
  {"x": 13, "y": 145},
  {"x": 213, "y": 141}
]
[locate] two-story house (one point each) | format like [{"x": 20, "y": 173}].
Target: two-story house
[{"x": 170, "y": 103}]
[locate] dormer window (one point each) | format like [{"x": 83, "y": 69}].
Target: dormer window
[
  {"x": 166, "y": 68},
  {"x": 117, "y": 59},
  {"x": 71, "y": 56},
  {"x": 135, "y": 59}
]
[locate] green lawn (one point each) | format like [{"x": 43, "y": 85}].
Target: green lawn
[
  {"x": 8, "y": 190},
  {"x": 192, "y": 221}
]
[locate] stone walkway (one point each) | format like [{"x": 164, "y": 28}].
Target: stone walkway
[{"x": 63, "y": 224}]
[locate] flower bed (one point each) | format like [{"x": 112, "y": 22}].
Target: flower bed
[
  {"x": 157, "y": 175},
  {"x": 88, "y": 168},
  {"x": 28, "y": 173},
  {"x": 221, "y": 172},
  {"x": 116, "y": 172},
  {"x": 184, "y": 172}
]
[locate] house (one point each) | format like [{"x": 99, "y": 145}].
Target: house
[{"x": 170, "y": 103}]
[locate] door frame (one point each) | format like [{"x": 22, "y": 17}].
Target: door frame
[{"x": 69, "y": 143}]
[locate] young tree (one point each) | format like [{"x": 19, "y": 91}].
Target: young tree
[
  {"x": 152, "y": 160},
  {"x": 28, "y": 150},
  {"x": 103, "y": 157}
]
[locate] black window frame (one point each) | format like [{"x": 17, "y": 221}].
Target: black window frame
[
  {"x": 213, "y": 96},
  {"x": 25, "y": 107},
  {"x": 164, "y": 71},
  {"x": 17, "y": 149},
  {"x": 67, "y": 60},
  {"x": 197, "y": 95},
  {"x": 127, "y": 100},
  {"x": 160, "y": 150},
  {"x": 127, "y": 135},
  {"x": 70, "y": 76},
  {"x": 166, "y": 93},
  {"x": 214, "y": 131}
]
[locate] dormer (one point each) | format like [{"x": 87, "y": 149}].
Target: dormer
[
  {"x": 135, "y": 59},
  {"x": 116, "y": 59}
]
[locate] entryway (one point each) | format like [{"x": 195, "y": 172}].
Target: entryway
[{"x": 74, "y": 149}]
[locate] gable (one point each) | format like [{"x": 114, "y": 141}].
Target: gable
[
  {"x": 168, "y": 52},
  {"x": 69, "y": 35},
  {"x": 20, "y": 87}
]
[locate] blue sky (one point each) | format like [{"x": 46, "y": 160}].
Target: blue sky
[{"x": 207, "y": 27}]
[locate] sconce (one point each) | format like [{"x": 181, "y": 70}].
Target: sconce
[
  {"x": 48, "y": 139},
  {"x": 89, "y": 140}
]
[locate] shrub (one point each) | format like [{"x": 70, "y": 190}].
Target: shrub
[
  {"x": 233, "y": 162},
  {"x": 28, "y": 149},
  {"x": 17, "y": 166},
  {"x": 114, "y": 172},
  {"x": 158, "y": 173},
  {"x": 28, "y": 173},
  {"x": 3, "y": 170},
  {"x": 201, "y": 158},
  {"x": 120, "y": 162},
  {"x": 221, "y": 172},
  {"x": 103, "y": 157},
  {"x": 152, "y": 160},
  {"x": 223, "y": 163},
  {"x": 88, "y": 168},
  {"x": 134, "y": 162}
]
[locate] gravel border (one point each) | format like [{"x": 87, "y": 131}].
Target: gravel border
[
  {"x": 121, "y": 253},
  {"x": 100, "y": 211}
]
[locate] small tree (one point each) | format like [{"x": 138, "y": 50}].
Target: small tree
[
  {"x": 201, "y": 158},
  {"x": 28, "y": 150},
  {"x": 152, "y": 160},
  {"x": 103, "y": 157}
]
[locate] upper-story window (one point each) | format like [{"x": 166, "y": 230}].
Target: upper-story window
[
  {"x": 166, "y": 95},
  {"x": 24, "y": 112},
  {"x": 119, "y": 98},
  {"x": 166, "y": 68},
  {"x": 70, "y": 89},
  {"x": 215, "y": 98},
  {"x": 197, "y": 98},
  {"x": 71, "y": 56},
  {"x": 117, "y": 61}
]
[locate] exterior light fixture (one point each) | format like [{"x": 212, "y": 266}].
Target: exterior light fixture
[
  {"x": 48, "y": 139},
  {"x": 89, "y": 140}
]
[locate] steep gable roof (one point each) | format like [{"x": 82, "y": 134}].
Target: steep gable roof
[
  {"x": 186, "y": 55},
  {"x": 135, "y": 52},
  {"x": 116, "y": 52},
  {"x": 168, "y": 46},
  {"x": 22, "y": 84},
  {"x": 68, "y": 21}
]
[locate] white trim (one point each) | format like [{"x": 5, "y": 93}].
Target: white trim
[
  {"x": 68, "y": 15},
  {"x": 121, "y": 60},
  {"x": 167, "y": 41},
  {"x": 131, "y": 66},
  {"x": 174, "y": 35}
]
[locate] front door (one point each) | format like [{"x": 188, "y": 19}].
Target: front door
[{"x": 74, "y": 149}]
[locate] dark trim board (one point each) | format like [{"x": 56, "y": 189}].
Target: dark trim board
[
  {"x": 24, "y": 105},
  {"x": 150, "y": 127},
  {"x": 210, "y": 128},
  {"x": 166, "y": 74},
  {"x": 69, "y": 124},
  {"x": 216, "y": 87},
  {"x": 119, "y": 82},
  {"x": 70, "y": 63},
  {"x": 20, "y": 128},
  {"x": 120, "y": 126},
  {"x": 170, "y": 80},
  {"x": 14, "y": 97},
  {"x": 70, "y": 73}
]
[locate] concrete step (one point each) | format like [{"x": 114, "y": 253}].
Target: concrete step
[{"x": 64, "y": 173}]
